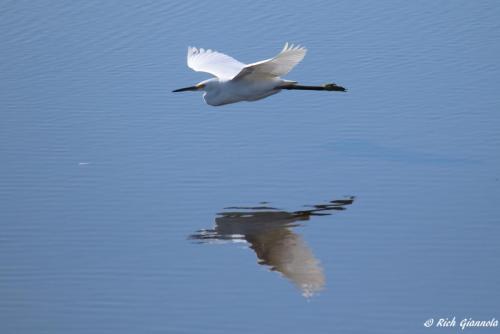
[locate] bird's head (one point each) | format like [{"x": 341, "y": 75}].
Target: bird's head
[{"x": 204, "y": 85}]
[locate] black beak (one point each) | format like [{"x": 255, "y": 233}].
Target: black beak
[{"x": 192, "y": 88}]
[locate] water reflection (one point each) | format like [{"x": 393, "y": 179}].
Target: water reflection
[{"x": 268, "y": 232}]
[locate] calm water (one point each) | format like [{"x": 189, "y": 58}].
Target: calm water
[{"x": 125, "y": 208}]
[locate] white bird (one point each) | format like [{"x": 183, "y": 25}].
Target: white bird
[{"x": 235, "y": 81}]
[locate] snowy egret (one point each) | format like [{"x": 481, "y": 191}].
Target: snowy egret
[{"x": 235, "y": 81}]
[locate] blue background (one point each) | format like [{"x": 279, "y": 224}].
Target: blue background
[{"x": 104, "y": 172}]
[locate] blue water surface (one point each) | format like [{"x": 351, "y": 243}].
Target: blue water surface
[{"x": 125, "y": 208}]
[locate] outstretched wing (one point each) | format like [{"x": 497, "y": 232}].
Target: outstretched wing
[
  {"x": 278, "y": 66},
  {"x": 213, "y": 62}
]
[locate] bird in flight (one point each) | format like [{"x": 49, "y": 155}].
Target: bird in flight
[{"x": 234, "y": 81}]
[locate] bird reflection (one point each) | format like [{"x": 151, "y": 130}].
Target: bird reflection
[{"x": 268, "y": 232}]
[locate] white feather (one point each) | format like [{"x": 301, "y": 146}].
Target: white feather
[
  {"x": 278, "y": 66},
  {"x": 227, "y": 68},
  {"x": 213, "y": 62}
]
